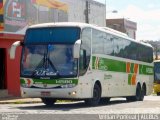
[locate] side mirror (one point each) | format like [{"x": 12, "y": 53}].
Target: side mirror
[
  {"x": 13, "y": 49},
  {"x": 76, "y": 49}
]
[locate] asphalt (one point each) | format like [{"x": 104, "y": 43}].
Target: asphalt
[{"x": 19, "y": 100}]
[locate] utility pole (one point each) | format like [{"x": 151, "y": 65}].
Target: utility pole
[
  {"x": 105, "y": 11},
  {"x": 86, "y": 12}
]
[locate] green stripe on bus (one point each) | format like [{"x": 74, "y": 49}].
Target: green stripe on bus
[
  {"x": 110, "y": 65},
  {"x": 132, "y": 68},
  {"x": 146, "y": 70},
  {"x": 119, "y": 66},
  {"x": 129, "y": 79},
  {"x": 50, "y": 81},
  {"x": 22, "y": 81}
]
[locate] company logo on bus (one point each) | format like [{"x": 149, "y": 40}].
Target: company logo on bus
[{"x": 149, "y": 70}]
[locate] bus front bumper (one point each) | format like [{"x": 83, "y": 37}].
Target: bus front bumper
[{"x": 63, "y": 93}]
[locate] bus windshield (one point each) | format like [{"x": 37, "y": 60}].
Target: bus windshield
[
  {"x": 48, "y": 52},
  {"x": 48, "y": 61},
  {"x": 157, "y": 71}
]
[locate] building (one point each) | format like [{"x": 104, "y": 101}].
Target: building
[
  {"x": 69, "y": 10},
  {"x": 87, "y": 11},
  {"x": 123, "y": 25},
  {"x": 17, "y": 15}
]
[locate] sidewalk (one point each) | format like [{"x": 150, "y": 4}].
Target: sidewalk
[{"x": 19, "y": 100}]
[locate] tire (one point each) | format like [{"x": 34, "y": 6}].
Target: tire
[
  {"x": 143, "y": 93},
  {"x": 48, "y": 101},
  {"x": 96, "y": 96},
  {"x": 138, "y": 96}
]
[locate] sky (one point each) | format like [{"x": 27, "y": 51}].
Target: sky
[{"x": 146, "y": 13}]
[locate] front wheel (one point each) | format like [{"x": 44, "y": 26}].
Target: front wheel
[
  {"x": 96, "y": 96},
  {"x": 48, "y": 101},
  {"x": 138, "y": 93}
]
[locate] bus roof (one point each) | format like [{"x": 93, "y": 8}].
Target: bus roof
[
  {"x": 61, "y": 24},
  {"x": 83, "y": 25},
  {"x": 156, "y": 61}
]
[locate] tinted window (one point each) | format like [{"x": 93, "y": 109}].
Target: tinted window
[
  {"x": 104, "y": 43},
  {"x": 52, "y": 35},
  {"x": 108, "y": 45},
  {"x": 98, "y": 41},
  {"x": 137, "y": 51}
]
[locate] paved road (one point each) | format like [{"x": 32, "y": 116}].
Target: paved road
[{"x": 150, "y": 105}]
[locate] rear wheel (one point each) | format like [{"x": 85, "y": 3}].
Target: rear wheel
[
  {"x": 96, "y": 96},
  {"x": 143, "y": 93},
  {"x": 138, "y": 96},
  {"x": 48, "y": 101}
]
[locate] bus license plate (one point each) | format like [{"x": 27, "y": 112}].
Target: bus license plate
[{"x": 45, "y": 93}]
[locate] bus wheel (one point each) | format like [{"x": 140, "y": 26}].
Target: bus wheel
[
  {"x": 48, "y": 101},
  {"x": 96, "y": 96},
  {"x": 137, "y": 97},
  {"x": 143, "y": 92},
  {"x": 158, "y": 93}
]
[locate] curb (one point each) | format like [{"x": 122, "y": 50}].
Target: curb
[{"x": 21, "y": 101}]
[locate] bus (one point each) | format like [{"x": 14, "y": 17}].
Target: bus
[
  {"x": 157, "y": 77},
  {"x": 79, "y": 61}
]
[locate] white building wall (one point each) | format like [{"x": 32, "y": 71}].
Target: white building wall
[
  {"x": 130, "y": 33},
  {"x": 76, "y": 12},
  {"x": 97, "y": 14}
]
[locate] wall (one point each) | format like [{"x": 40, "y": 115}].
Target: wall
[
  {"x": 19, "y": 14},
  {"x": 123, "y": 25},
  {"x": 96, "y": 11},
  {"x": 12, "y": 68}
]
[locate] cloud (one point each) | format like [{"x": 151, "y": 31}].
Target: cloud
[
  {"x": 151, "y": 5},
  {"x": 148, "y": 32},
  {"x": 139, "y": 14},
  {"x": 148, "y": 27}
]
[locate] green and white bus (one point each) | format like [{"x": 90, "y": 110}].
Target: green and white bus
[{"x": 83, "y": 62}]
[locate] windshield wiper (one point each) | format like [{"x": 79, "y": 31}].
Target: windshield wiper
[
  {"x": 44, "y": 65},
  {"x": 40, "y": 65},
  {"x": 53, "y": 67}
]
